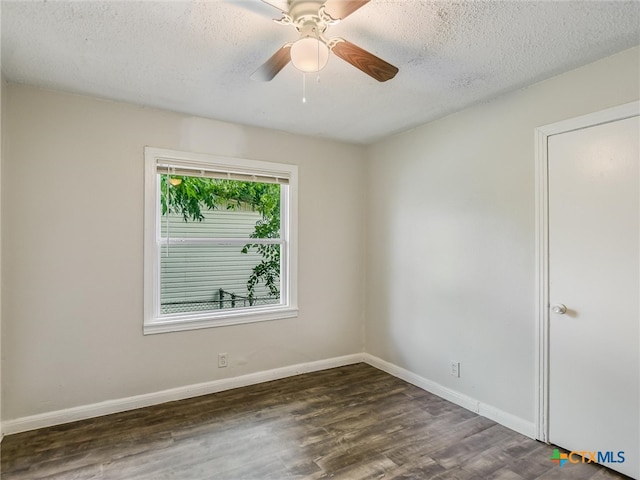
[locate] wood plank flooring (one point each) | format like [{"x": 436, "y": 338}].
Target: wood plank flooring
[{"x": 353, "y": 423}]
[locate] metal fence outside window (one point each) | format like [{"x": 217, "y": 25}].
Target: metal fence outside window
[{"x": 222, "y": 300}]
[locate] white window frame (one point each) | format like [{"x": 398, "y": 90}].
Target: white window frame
[{"x": 154, "y": 321}]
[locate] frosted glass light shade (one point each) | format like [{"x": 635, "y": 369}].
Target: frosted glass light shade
[{"x": 309, "y": 54}]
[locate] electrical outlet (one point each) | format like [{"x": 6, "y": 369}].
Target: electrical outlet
[
  {"x": 222, "y": 360},
  {"x": 455, "y": 369}
]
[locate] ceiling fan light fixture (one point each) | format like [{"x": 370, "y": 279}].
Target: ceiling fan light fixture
[{"x": 309, "y": 54}]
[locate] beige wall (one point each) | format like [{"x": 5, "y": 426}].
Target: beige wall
[
  {"x": 451, "y": 236},
  {"x": 449, "y": 246},
  {"x": 73, "y": 244}
]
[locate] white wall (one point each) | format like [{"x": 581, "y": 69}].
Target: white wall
[
  {"x": 451, "y": 231},
  {"x": 72, "y": 312}
]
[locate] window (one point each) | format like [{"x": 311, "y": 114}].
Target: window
[{"x": 220, "y": 241}]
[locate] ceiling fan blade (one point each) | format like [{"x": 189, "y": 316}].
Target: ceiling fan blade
[
  {"x": 280, "y": 5},
  {"x": 339, "y": 9},
  {"x": 271, "y": 67},
  {"x": 367, "y": 62},
  {"x": 260, "y": 7}
]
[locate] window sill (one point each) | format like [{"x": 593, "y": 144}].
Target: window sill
[{"x": 195, "y": 322}]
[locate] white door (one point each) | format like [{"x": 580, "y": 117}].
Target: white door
[{"x": 594, "y": 272}]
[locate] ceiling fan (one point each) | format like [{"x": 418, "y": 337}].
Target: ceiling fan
[{"x": 310, "y": 53}]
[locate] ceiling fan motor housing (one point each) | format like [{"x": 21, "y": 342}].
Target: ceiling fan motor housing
[{"x": 304, "y": 8}]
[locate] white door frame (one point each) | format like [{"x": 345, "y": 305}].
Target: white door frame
[{"x": 542, "y": 135}]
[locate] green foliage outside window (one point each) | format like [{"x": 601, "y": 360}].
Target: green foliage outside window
[{"x": 193, "y": 194}]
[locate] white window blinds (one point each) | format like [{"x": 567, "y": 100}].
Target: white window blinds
[{"x": 188, "y": 169}]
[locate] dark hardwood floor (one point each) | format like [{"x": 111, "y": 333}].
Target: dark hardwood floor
[{"x": 353, "y": 422}]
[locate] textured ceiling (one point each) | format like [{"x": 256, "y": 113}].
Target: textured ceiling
[{"x": 196, "y": 57}]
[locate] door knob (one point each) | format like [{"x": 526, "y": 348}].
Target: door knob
[{"x": 560, "y": 309}]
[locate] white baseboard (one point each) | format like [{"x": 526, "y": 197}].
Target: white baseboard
[
  {"x": 500, "y": 416},
  {"x": 138, "y": 401},
  {"x": 123, "y": 404}
]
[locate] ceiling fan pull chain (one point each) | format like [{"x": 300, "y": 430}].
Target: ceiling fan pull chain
[
  {"x": 315, "y": 29},
  {"x": 318, "y": 64},
  {"x": 304, "y": 87}
]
